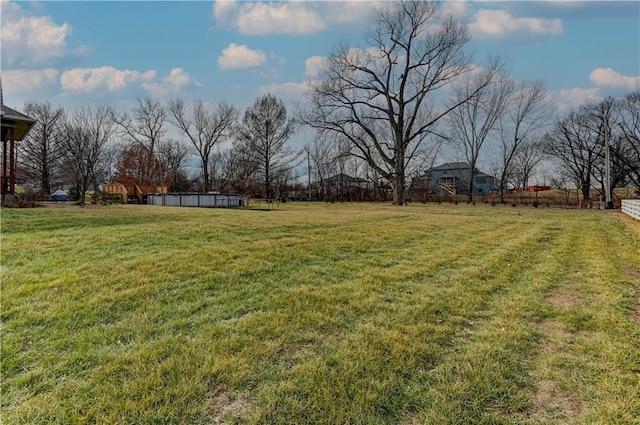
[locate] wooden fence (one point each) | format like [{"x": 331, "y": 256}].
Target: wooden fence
[{"x": 631, "y": 207}]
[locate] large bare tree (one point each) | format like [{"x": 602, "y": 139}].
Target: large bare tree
[
  {"x": 40, "y": 151},
  {"x": 205, "y": 128},
  {"x": 87, "y": 151},
  {"x": 578, "y": 148},
  {"x": 384, "y": 98},
  {"x": 529, "y": 112},
  {"x": 145, "y": 128},
  {"x": 263, "y": 135},
  {"x": 628, "y": 150}
]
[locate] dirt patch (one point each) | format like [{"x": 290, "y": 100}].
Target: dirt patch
[
  {"x": 563, "y": 298},
  {"x": 549, "y": 403},
  {"x": 224, "y": 405},
  {"x": 554, "y": 333}
]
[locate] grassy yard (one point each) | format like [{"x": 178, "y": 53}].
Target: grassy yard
[{"x": 320, "y": 314}]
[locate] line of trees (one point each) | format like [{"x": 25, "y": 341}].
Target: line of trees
[
  {"x": 381, "y": 116},
  {"x": 94, "y": 144},
  {"x": 579, "y": 141}
]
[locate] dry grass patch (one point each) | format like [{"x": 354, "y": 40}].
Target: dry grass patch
[
  {"x": 551, "y": 405},
  {"x": 224, "y": 406},
  {"x": 563, "y": 298}
]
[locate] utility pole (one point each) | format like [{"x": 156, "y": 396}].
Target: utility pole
[
  {"x": 309, "y": 174},
  {"x": 607, "y": 165}
]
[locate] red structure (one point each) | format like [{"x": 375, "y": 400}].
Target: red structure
[
  {"x": 537, "y": 188},
  {"x": 15, "y": 126}
]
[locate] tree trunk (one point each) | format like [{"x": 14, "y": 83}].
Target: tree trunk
[
  {"x": 586, "y": 190},
  {"x": 205, "y": 175},
  {"x": 470, "y": 186},
  {"x": 267, "y": 183},
  {"x": 399, "y": 189}
]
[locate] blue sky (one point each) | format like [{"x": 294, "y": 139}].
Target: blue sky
[{"x": 72, "y": 52}]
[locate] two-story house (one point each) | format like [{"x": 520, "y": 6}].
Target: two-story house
[{"x": 452, "y": 178}]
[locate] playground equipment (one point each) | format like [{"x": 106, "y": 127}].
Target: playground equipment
[{"x": 133, "y": 194}]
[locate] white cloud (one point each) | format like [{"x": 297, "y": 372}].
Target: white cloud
[
  {"x": 177, "y": 80},
  {"x": 350, "y": 11},
  {"x": 85, "y": 80},
  {"x": 568, "y": 99},
  {"x": 223, "y": 8},
  {"x": 314, "y": 65},
  {"x": 607, "y": 77},
  {"x": 457, "y": 8},
  {"x": 288, "y": 91},
  {"x": 499, "y": 23},
  {"x": 27, "y": 81},
  {"x": 33, "y": 40},
  {"x": 289, "y": 17},
  {"x": 278, "y": 18},
  {"x": 240, "y": 56}
]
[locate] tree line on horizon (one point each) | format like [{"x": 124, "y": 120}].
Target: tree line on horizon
[{"x": 383, "y": 114}]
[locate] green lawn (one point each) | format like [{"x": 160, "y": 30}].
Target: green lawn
[{"x": 320, "y": 314}]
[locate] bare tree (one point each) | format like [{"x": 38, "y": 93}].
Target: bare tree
[
  {"x": 383, "y": 99},
  {"x": 482, "y": 99},
  {"x": 603, "y": 119},
  {"x": 240, "y": 169},
  {"x": 628, "y": 151},
  {"x": 87, "y": 151},
  {"x": 218, "y": 169},
  {"x": 145, "y": 128},
  {"x": 263, "y": 136},
  {"x": 173, "y": 154},
  {"x": 528, "y": 155},
  {"x": 205, "y": 129},
  {"x": 321, "y": 162},
  {"x": 40, "y": 152},
  {"x": 529, "y": 111},
  {"x": 573, "y": 142}
]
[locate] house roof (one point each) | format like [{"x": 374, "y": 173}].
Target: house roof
[
  {"x": 455, "y": 169},
  {"x": 481, "y": 174},
  {"x": 16, "y": 120},
  {"x": 451, "y": 166},
  {"x": 345, "y": 178}
]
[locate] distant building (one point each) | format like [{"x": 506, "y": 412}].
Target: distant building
[
  {"x": 538, "y": 188},
  {"x": 342, "y": 186},
  {"x": 452, "y": 179},
  {"x": 342, "y": 183}
]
